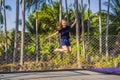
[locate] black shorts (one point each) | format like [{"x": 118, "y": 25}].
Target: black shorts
[{"x": 64, "y": 42}]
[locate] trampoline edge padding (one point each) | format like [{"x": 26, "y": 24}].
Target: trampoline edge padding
[
  {"x": 112, "y": 71},
  {"x": 42, "y": 71}
]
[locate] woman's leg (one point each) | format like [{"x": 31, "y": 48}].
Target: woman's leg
[
  {"x": 64, "y": 49},
  {"x": 69, "y": 48}
]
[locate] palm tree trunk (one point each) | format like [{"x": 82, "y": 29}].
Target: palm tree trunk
[
  {"x": 0, "y": 3},
  {"x": 5, "y": 30},
  {"x": 67, "y": 12},
  {"x": 37, "y": 37},
  {"x": 100, "y": 29},
  {"x": 88, "y": 24},
  {"x": 60, "y": 18},
  {"x": 60, "y": 15},
  {"x": 83, "y": 38},
  {"x": 0, "y": 13},
  {"x": 16, "y": 31},
  {"x": 77, "y": 32},
  {"x": 107, "y": 26},
  {"x": 22, "y": 33}
]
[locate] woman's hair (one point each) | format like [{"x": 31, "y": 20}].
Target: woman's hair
[{"x": 59, "y": 27}]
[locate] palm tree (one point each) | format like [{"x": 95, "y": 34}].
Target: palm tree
[
  {"x": 22, "y": 32},
  {"x": 100, "y": 29},
  {"x": 113, "y": 27},
  {"x": 77, "y": 31},
  {"x": 7, "y": 7},
  {"x": 67, "y": 14},
  {"x": 107, "y": 26},
  {"x": 5, "y": 31},
  {"x": 35, "y": 3},
  {"x": 114, "y": 17},
  {"x": 29, "y": 5},
  {"x": 4, "y": 7},
  {"x": 83, "y": 30},
  {"x": 16, "y": 31}
]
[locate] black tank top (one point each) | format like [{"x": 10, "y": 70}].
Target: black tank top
[{"x": 65, "y": 32}]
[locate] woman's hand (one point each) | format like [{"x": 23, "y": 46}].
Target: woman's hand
[{"x": 76, "y": 20}]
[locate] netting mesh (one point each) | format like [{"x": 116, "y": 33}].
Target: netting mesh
[{"x": 50, "y": 60}]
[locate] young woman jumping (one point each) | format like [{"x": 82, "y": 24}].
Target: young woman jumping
[{"x": 64, "y": 30}]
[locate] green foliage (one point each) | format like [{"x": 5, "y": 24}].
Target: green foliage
[
  {"x": 114, "y": 27},
  {"x": 47, "y": 20}
]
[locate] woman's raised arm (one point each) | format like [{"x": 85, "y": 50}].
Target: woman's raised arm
[{"x": 73, "y": 23}]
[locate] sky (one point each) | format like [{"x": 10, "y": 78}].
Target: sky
[{"x": 12, "y": 14}]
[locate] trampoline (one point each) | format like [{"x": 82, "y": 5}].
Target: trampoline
[{"x": 59, "y": 75}]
